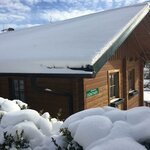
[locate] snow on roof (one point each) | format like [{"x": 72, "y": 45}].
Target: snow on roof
[
  {"x": 73, "y": 43},
  {"x": 29, "y": 67}
]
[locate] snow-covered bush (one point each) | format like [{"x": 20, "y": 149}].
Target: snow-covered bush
[
  {"x": 69, "y": 143},
  {"x": 22, "y": 128},
  {"x": 109, "y": 128},
  {"x": 15, "y": 142},
  {"x": 104, "y": 128}
]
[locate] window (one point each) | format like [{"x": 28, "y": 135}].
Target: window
[
  {"x": 18, "y": 89},
  {"x": 131, "y": 80},
  {"x": 113, "y": 85},
  {"x": 131, "y": 83}
]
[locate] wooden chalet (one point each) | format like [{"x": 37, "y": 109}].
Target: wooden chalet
[{"x": 90, "y": 61}]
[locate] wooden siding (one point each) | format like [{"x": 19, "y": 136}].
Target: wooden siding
[
  {"x": 134, "y": 101},
  {"x": 78, "y": 94},
  {"x": 127, "y": 57},
  {"x": 68, "y": 94},
  {"x": 4, "y": 87},
  {"x": 101, "y": 82}
]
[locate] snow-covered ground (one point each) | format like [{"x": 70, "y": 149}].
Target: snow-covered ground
[
  {"x": 108, "y": 128},
  {"x": 37, "y": 128},
  {"x": 147, "y": 96},
  {"x": 147, "y": 90},
  {"x": 104, "y": 128}
]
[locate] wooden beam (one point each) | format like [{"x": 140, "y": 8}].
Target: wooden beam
[
  {"x": 124, "y": 77},
  {"x": 141, "y": 91},
  {"x": 78, "y": 94}
]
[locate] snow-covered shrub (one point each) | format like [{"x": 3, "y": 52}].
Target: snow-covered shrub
[
  {"x": 69, "y": 143},
  {"x": 16, "y": 142},
  {"x": 26, "y": 128},
  {"x": 21, "y": 104},
  {"x": 104, "y": 128},
  {"x": 109, "y": 128},
  {"x": 1, "y": 115},
  {"x": 147, "y": 145}
]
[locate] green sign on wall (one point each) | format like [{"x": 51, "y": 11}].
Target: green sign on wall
[{"x": 92, "y": 92}]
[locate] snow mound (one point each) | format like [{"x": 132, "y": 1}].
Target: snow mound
[
  {"x": 110, "y": 128},
  {"x": 37, "y": 129},
  {"x": 124, "y": 143},
  {"x": 104, "y": 128},
  {"x": 8, "y": 106},
  {"x": 92, "y": 128}
]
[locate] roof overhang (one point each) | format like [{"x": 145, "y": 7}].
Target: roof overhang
[
  {"x": 120, "y": 38},
  {"x": 30, "y": 69},
  {"x": 85, "y": 66}
]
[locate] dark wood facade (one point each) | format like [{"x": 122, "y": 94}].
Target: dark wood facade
[
  {"x": 70, "y": 94},
  {"x": 48, "y": 94}
]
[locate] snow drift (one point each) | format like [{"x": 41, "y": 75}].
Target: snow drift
[
  {"x": 104, "y": 128},
  {"x": 109, "y": 128},
  {"x": 38, "y": 129}
]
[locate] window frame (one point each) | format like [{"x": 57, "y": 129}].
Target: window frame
[
  {"x": 131, "y": 91},
  {"x": 18, "y": 89},
  {"x": 131, "y": 80},
  {"x": 111, "y": 72}
]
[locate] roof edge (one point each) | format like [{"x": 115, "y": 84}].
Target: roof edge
[
  {"x": 53, "y": 75},
  {"x": 113, "y": 45}
]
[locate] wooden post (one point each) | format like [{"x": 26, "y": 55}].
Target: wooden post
[
  {"x": 78, "y": 94},
  {"x": 141, "y": 92},
  {"x": 124, "y": 77}
]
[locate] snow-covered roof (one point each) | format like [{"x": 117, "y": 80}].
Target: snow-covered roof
[{"x": 83, "y": 42}]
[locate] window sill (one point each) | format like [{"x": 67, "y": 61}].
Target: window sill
[
  {"x": 115, "y": 102},
  {"x": 133, "y": 93}
]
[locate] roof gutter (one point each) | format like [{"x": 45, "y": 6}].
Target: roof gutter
[
  {"x": 53, "y": 75},
  {"x": 119, "y": 39}
]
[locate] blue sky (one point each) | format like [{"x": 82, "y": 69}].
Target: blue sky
[{"x": 26, "y": 13}]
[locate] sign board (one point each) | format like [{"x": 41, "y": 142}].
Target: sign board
[{"x": 92, "y": 92}]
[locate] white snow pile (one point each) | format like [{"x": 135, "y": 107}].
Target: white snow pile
[
  {"x": 147, "y": 90},
  {"x": 109, "y": 128},
  {"x": 104, "y": 128},
  {"x": 37, "y": 129}
]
